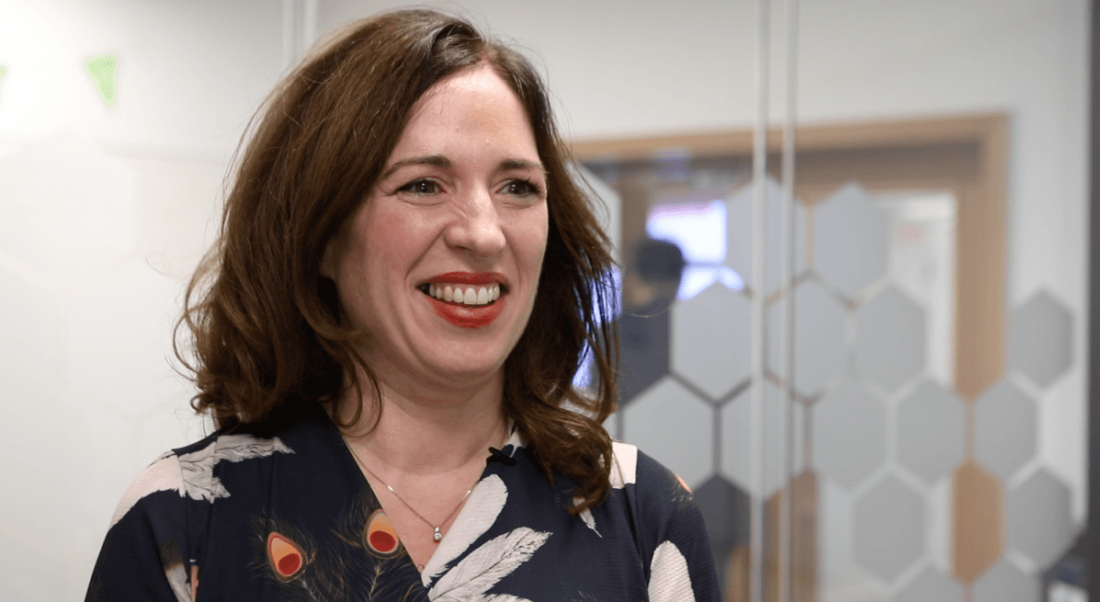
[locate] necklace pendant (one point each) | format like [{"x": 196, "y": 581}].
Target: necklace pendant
[{"x": 437, "y": 535}]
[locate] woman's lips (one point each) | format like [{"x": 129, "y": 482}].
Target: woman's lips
[
  {"x": 466, "y": 299},
  {"x": 468, "y": 316}
]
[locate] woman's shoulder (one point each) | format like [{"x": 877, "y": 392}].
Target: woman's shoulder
[
  {"x": 668, "y": 525},
  {"x": 631, "y": 466},
  {"x": 191, "y": 471}
]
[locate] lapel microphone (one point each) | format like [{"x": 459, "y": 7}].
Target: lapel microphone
[{"x": 495, "y": 455}]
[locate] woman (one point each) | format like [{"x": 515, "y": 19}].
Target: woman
[{"x": 386, "y": 337}]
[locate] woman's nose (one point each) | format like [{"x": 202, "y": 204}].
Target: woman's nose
[{"x": 476, "y": 227}]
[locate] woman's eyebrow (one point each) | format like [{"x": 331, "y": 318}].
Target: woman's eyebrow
[
  {"x": 512, "y": 164},
  {"x": 441, "y": 161},
  {"x": 433, "y": 160}
]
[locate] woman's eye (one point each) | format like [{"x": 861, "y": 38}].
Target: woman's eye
[
  {"x": 521, "y": 188},
  {"x": 420, "y": 187}
]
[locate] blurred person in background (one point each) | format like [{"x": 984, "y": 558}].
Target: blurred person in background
[{"x": 650, "y": 285}]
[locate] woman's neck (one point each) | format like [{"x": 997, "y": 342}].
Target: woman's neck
[{"x": 420, "y": 433}]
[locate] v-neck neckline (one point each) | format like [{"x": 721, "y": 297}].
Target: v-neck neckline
[{"x": 350, "y": 463}]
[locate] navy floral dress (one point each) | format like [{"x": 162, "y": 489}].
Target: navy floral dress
[{"x": 280, "y": 511}]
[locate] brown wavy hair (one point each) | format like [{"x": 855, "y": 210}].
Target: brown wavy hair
[{"x": 265, "y": 325}]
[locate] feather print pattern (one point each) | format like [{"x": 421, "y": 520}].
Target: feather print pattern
[
  {"x": 290, "y": 517},
  {"x": 199, "y": 481},
  {"x": 479, "y": 513},
  {"x": 192, "y": 474},
  {"x": 624, "y": 467},
  {"x": 484, "y": 567},
  {"x": 669, "y": 578}
]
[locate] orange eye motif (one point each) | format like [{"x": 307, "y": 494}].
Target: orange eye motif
[
  {"x": 285, "y": 555},
  {"x": 380, "y": 536}
]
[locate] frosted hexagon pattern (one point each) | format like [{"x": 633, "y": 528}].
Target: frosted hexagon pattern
[
  {"x": 890, "y": 339},
  {"x": 889, "y": 528},
  {"x": 851, "y": 240},
  {"x": 45, "y": 219},
  {"x": 1003, "y": 582},
  {"x": 737, "y": 438},
  {"x": 711, "y": 339},
  {"x": 739, "y": 233},
  {"x": 1040, "y": 341},
  {"x": 120, "y": 340},
  {"x": 819, "y": 338},
  {"x": 849, "y": 433},
  {"x": 725, "y": 510},
  {"x": 1004, "y": 429},
  {"x": 671, "y": 424},
  {"x": 930, "y": 431},
  {"x": 1038, "y": 518},
  {"x": 931, "y": 586}
]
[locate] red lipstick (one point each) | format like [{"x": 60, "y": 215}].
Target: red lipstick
[
  {"x": 467, "y": 278},
  {"x": 468, "y": 316}
]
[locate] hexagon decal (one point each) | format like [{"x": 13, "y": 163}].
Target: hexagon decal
[
  {"x": 674, "y": 426},
  {"x": 1006, "y": 583},
  {"x": 1040, "y": 340},
  {"x": 930, "y": 431},
  {"x": 739, "y": 233},
  {"x": 819, "y": 338},
  {"x": 849, "y": 433},
  {"x": 890, "y": 339},
  {"x": 725, "y": 509},
  {"x": 643, "y": 352},
  {"x": 851, "y": 240},
  {"x": 1038, "y": 519},
  {"x": 1005, "y": 429},
  {"x": 711, "y": 340},
  {"x": 736, "y": 418},
  {"x": 931, "y": 586},
  {"x": 889, "y": 528}
]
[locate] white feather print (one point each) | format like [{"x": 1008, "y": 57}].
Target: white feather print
[
  {"x": 669, "y": 579},
  {"x": 192, "y": 474},
  {"x": 199, "y": 481},
  {"x": 487, "y": 565},
  {"x": 624, "y": 468},
  {"x": 502, "y": 598},
  {"x": 586, "y": 516},
  {"x": 177, "y": 580},
  {"x": 479, "y": 513}
]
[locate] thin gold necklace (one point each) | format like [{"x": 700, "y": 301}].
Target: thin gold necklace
[{"x": 437, "y": 533}]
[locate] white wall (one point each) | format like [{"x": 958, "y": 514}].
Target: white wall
[
  {"x": 103, "y": 212},
  {"x": 88, "y": 394}
]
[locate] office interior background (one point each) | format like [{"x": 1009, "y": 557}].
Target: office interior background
[{"x": 917, "y": 432}]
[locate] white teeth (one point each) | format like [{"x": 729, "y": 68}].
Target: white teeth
[{"x": 470, "y": 296}]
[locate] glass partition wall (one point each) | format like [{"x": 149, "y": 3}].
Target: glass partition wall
[
  {"x": 863, "y": 348},
  {"x": 918, "y": 433}
]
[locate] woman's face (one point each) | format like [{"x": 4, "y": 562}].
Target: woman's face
[{"x": 459, "y": 210}]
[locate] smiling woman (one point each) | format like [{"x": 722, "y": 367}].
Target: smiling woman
[{"x": 386, "y": 335}]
